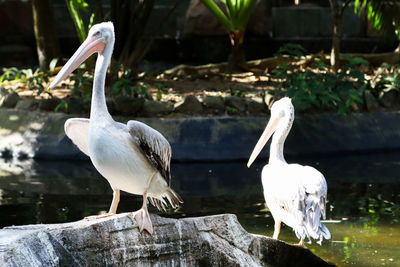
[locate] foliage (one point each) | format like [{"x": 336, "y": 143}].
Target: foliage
[
  {"x": 34, "y": 80},
  {"x": 319, "y": 86},
  {"x": 12, "y": 73},
  {"x": 82, "y": 84},
  {"x": 62, "y": 106},
  {"x": 239, "y": 93},
  {"x": 130, "y": 20},
  {"x": 384, "y": 15},
  {"x": 76, "y": 9},
  {"x": 237, "y": 12},
  {"x": 232, "y": 110},
  {"x": 126, "y": 85},
  {"x": 160, "y": 90},
  {"x": 234, "y": 19},
  {"x": 387, "y": 78}
]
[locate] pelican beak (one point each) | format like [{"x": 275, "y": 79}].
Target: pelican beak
[
  {"x": 90, "y": 46},
  {"x": 269, "y": 130}
]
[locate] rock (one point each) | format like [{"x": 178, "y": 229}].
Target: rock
[
  {"x": 154, "y": 108},
  {"x": 49, "y": 104},
  {"x": 126, "y": 105},
  {"x": 8, "y": 99},
  {"x": 388, "y": 98},
  {"x": 255, "y": 107},
  {"x": 217, "y": 240},
  {"x": 190, "y": 105},
  {"x": 236, "y": 102},
  {"x": 370, "y": 101},
  {"x": 26, "y": 104},
  {"x": 215, "y": 104}
]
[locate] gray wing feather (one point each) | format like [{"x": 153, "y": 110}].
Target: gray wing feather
[
  {"x": 154, "y": 146},
  {"x": 77, "y": 129}
]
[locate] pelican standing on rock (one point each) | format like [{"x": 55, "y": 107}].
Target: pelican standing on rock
[
  {"x": 295, "y": 194},
  {"x": 133, "y": 157}
]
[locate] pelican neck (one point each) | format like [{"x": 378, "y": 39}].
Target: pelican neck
[
  {"x": 98, "y": 105},
  {"x": 279, "y": 137}
]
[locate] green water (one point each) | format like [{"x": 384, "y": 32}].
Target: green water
[{"x": 363, "y": 210}]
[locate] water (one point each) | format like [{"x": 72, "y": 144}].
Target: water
[{"x": 363, "y": 200}]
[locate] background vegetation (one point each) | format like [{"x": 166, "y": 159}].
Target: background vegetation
[{"x": 316, "y": 82}]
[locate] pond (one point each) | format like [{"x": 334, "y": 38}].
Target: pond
[{"x": 363, "y": 199}]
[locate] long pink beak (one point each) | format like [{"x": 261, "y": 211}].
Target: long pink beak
[
  {"x": 90, "y": 46},
  {"x": 269, "y": 130}
]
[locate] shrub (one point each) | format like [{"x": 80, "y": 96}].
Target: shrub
[{"x": 317, "y": 85}]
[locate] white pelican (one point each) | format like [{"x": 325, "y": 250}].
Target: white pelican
[
  {"x": 295, "y": 194},
  {"x": 133, "y": 157}
]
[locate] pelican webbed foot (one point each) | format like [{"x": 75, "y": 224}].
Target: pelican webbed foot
[
  {"x": 300, "y": 244},
  {"x": 96, "y": 217},
  {"x": 142, "y": 218}
]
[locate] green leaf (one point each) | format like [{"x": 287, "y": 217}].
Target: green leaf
[
  {"x": 62, "y": 105},
  {"x": 214, "y": 8},
  {"x": 53, "y": 64}
]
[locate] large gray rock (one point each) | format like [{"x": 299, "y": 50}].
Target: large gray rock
[
  {"x": 370, "y": 101},
  {"x": 256, "y": 107},
  {"x": 190, "y": 105},
  {"x": 204, "y": 241},
  {"x": 389, "y": 98},
  {"x": 49, "y": 104},
  {"x": 236, "y": 102},
  {"x": 126, "y": 105},
  {"x": 26, "y": 104},
  {"x": 156, "y": 108},
  {"x": 215, "y": 104},
  {"x": 8, "y": 99}
]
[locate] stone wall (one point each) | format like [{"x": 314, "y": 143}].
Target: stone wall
[{"x": 41, "y": 135}]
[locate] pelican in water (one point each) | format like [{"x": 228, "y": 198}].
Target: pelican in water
[
  {"x": 295, "y": 194},
  {"x": 133, "y": 157}
]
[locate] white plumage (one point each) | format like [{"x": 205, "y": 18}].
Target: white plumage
[
  {"x": 133, "y": 157},
  {"x": 295, "y": 194}
]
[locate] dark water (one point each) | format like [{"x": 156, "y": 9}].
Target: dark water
[{"x": 363, "y": 200}]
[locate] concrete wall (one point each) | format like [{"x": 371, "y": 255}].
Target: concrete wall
[{"x": 41, "y": 135}]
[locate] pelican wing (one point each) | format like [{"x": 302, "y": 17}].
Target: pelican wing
[
  {"x": 77, "y": 129},
  {"x": 313, "y": 186},
  {"x": 297, "y": 195},
  {"x": 154, "y": 146}
]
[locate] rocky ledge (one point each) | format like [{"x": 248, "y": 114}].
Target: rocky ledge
[{"x": 203, "y": 241}]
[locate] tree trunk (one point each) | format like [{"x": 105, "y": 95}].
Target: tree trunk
[
  {"x": 237, "y": 59},
  {"x": 337, "y": 16},
  {"x": 47, "y": 43}
]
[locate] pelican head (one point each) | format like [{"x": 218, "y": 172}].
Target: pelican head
[
  {"x": 100, "y": 40},
  {"x": 281, "y": 109}
]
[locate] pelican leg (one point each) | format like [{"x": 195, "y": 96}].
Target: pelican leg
[
  {"x": 113, "y": 207},
  {"x": 301, "y": 243},
  {"x": 277, "y": 229},
  {"x": 114, "y": 203},
  {"x": 142, "y": 217}
]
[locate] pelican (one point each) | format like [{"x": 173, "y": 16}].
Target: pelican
[
  {"x": 295, "y": 194},
  {"x": 133, "y": 157}
]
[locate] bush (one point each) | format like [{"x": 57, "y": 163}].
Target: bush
[{"x": 317, "y": 85}]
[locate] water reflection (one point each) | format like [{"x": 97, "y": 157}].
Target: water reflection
[{"x": 363, "y": 200}]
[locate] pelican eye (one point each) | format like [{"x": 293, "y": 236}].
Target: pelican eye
[{"x": 97, "y": 34}]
